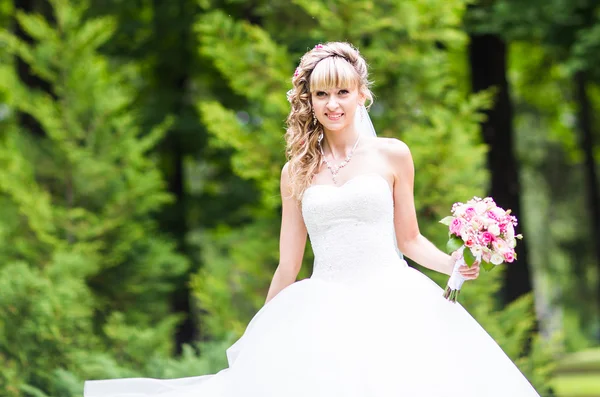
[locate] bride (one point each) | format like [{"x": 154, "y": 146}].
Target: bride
[{"x": 364, "y": 324}]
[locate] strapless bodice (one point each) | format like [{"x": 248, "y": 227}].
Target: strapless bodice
[{"x": 351, "y": 228}]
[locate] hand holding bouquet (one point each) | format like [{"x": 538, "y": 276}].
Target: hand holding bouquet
[{"x": 479, "y": 231}]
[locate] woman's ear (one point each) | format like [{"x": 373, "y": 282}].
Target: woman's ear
[{"x": 362, "y": 98}]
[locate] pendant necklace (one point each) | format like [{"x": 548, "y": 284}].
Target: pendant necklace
[{"x": 335, "y": 169}]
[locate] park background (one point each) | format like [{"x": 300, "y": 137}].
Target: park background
[{"x": 141, "y": 146}]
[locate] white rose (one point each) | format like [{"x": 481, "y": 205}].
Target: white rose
[
  {"x": 476, "y": 223},
  {"x": 499, "y": 212},
  {"x": 464, "y": 230},
  {"x": 510, "y": 232},
  {"x": 480, "y": 208},
  {"x": 487, "y": 221},
  {"x": 500, "y": 245},
  {"x": 459, "y": 211},
  {"x": 497, "y": 259},
  {"x": 494, "y": 229}
]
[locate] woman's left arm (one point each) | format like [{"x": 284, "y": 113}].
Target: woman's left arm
[{"x": 410, "y": 241}]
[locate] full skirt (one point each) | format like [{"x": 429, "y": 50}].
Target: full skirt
[{"x": 391, "y": 334}]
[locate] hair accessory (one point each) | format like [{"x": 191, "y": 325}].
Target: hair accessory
[
  {"x": 297, "y": 71},
  {"x": 318, "y": 46}
]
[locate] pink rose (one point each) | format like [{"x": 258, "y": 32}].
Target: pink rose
[
  {"x": 486, "y": 238},
  {"x": 470, "y": 213},
  {"x": 509, "y": 256},
  {"x": 492, "y": 216},
  {"x": 503, "y": 226},
  {"x": 455, "y": 226}
]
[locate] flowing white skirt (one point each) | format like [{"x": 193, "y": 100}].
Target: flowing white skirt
[{"x": 392, "y": 334}]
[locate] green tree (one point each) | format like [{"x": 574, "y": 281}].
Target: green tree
[
  {"x": 5, "y": 11},
  {"x": 158, "y": 36},
  {"x": 86, "y": 275}
]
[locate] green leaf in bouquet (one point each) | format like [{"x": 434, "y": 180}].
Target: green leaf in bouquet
[
  {"x": 453, "y": 244},
  {"x": 487, "y": 266},
  {"x": 447, "y": 220},
  {"x": 469, "y": 257}
]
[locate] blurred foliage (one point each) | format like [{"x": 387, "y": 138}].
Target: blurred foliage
[
  {"x": 551, "y": 43},
  {"x": 566, "y": 29},
  {"x": 84, "y": 269}
]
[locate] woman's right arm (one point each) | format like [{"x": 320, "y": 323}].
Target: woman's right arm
[{"x": 292, "y": 239}]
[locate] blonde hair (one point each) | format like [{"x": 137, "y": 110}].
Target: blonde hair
[{"x": 324, "y": 67}]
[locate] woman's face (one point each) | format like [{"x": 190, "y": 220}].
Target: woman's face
[{"x": 335, "y": 108}]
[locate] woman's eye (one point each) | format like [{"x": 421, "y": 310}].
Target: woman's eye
[
  {"x": 344, "y": 92},
  {"x": 321, "y": 93}
]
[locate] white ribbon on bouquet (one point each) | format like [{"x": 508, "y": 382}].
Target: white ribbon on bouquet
[{"x": 456, "y": 279}]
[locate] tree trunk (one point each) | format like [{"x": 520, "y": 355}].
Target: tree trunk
[
  {"x": 584, "y": 119},
  {"x": 487, "y": 56},
  {"x": 173, "y": 24}
]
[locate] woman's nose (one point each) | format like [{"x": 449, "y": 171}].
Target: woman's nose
[{"x": 332, "y": 104}]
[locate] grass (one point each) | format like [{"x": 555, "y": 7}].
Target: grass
[
  {"x": 578, "y": 374},
  {"x": 577, "y": 385}
]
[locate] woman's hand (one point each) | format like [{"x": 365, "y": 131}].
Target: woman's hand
[{"x": 470, "y": 273}]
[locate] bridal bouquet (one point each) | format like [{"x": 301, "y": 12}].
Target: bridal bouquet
[{"x": 480, "y": 231}]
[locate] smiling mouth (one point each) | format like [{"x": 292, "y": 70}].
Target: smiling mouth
[{"x": 334, "y": 117}]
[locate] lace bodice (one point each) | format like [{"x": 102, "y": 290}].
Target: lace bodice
[{"x": 351, "y": 228}]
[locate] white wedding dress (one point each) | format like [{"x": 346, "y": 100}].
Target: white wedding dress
[{"x": 365, "y": 324}]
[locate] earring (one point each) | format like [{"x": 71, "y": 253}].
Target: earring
[
  {"x": 362, "y": 109},
  {"x": 314, "y": 118}
]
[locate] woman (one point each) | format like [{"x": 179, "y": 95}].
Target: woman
[{"x": 364, "y": 324}]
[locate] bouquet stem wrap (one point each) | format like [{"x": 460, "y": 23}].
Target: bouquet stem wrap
[{"x": 456, "y": 280}]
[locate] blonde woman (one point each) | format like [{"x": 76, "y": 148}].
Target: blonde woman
[{"x": 364, "y": 324}]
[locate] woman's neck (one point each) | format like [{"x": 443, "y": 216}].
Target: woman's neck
[{"x": 339, "y": 144}]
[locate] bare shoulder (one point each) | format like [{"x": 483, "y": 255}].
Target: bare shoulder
[
  {"x": 393, "y": 150},
  {"x": 396, "y": 156},
  {"x": 285, "y": 170},
  {"x": 284, "y": 183}
]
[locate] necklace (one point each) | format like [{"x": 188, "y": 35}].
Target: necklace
[{"x": 335, "y": 169}]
